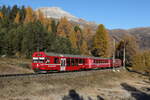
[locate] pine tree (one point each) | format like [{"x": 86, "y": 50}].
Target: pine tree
[
  {"x": 54, "y": 26},
  {"x": 22, "y": 14},
  {"x": 101, "y": 42},
  {"x": 13, "y": 12}
]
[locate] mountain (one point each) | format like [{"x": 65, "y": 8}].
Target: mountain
[
  {"x": 57, "y": 13},
  {"x": 141, "y": 34}
]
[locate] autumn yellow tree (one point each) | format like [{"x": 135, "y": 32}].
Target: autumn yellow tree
[
  {"x": 73, "y": 39},
  {"x": 40, "y": 16},
  {"x": 141, "y": 61},
  {"x": 147, "y": 58},
  {"x": 17, "y": 18},
  {"x": 64, "y": 28},
  {"x": 84, "y": 48},
  {"x": 30, "y": 15},
  {"x": 131, "y": 47},
  {"x": 101, "y": 42},
  {"x": 87, "y": 32},
  {"x": 1, "y": 15}
]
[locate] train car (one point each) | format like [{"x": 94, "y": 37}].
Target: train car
[{"x": 44, "y": 62}]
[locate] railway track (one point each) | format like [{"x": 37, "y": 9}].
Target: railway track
[{"x": 58, "y": 73}]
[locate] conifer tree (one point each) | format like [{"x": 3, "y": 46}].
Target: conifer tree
[
  {"x": 101, "y": 42},
  {"x": 17, "y": 18},
  {"x": 30, "y": 16},
  {"x": 22, "y": 14},
  {"x": 87, "y": 32},
  {"x": 73, "y": 39},
  {"x": 1, "y": 15},
  {"x": 84, "y": 48},
  {"x": 13, "y": 12},
  {"x": 131, "y": 48},
  {"x": 79, "y": 36},
  {"x": 64, "y": 27},
  {"x": 54, "y": 26}
]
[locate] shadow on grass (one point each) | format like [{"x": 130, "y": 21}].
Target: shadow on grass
[
  {"x": 73, "y": 95},
  {"x": 138, "y": 72},
  {"x": 137, "y": 94}
]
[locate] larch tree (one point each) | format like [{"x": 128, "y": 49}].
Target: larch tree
[
  {"x": 87, "y": 32},
  {"x": 42, "y": 19},
  {"x": 73, "y": 39},
  {"x": 101, "y": 42},
  {"x": 131, "y": 48},
  {"x": 84, "y": 48},
  {"x": 1, "y": 15},
  {"x": 17, "y": 18},
  {"x": 64, "y": 28},
  {"x": 79, "y": 36},
  {"x": 30, "y": 16}
]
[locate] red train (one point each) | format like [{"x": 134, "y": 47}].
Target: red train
[{"x": 63, "y": 62}]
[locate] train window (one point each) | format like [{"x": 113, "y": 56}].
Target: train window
[
  {"x": 105, "y": 61},
  {"x": 83, "y": 61},
  {"x": 68, "y": 61},
  {"x": 56, "y": 60},
  {"x": 76, "y": 62},
  {"x": 72, "y": 62},
  {"x": 41, "y": 60},
  {"x": 80, "y": 61},
  {"x": 94, "y": 61},
  {"x": 100, "y": 61}
]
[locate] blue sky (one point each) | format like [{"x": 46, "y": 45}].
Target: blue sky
[{"x": 112, "y": 13}]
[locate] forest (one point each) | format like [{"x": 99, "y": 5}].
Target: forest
[{"x": 24, "y": 31}]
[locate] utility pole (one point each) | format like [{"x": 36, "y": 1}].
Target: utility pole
[
  {"x": 114, "y": 42},
  {"x": 124, "y": 56}
]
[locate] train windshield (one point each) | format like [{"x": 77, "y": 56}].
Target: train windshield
[{"x": 38, "y": 59}]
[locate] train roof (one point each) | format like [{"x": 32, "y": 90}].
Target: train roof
[{"x": 70, "y": 55}]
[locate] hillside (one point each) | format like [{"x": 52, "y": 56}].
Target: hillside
[
  {"x": 142, "y": 34},
  {"x": 57, "y": 13}
]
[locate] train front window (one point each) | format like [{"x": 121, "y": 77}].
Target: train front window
[{"x": 38, "y": 59}]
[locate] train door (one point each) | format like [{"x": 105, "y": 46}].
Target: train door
[
  {"x": 90, "y": 63},
  {"x": 63, "y": 64}
]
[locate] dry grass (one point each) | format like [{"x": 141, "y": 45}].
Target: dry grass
[
  {"x": 15, "y": 66},
  {"x": 89, "y": 86}
]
